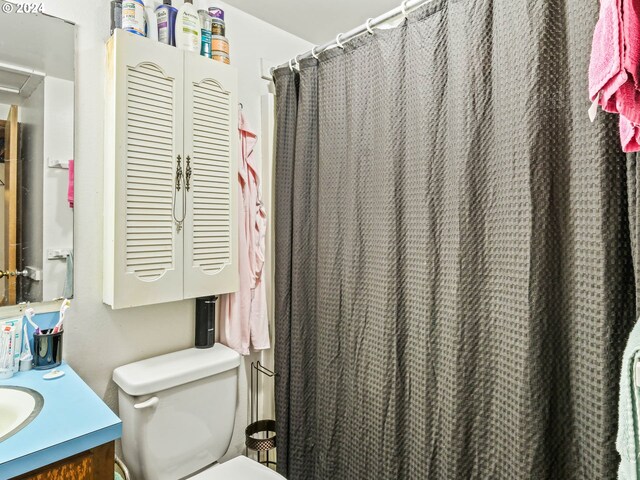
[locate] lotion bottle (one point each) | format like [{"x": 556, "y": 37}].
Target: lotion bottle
[{"x": 188, "y": 28}]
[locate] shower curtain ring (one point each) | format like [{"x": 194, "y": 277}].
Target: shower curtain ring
[
  {"x": 368, "y": 24},
  {"x": 290, "y": 66},
  {"x": 314, "y": 54},
  {"x": 338, "y": 42},
  {"x": 297, "y": 61},
  {"x": 403, "y": 6}
]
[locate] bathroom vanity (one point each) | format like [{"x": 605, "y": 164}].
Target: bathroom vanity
[
  {"x": 94, "y": 464},
  {"x": 72, "y": 437}
]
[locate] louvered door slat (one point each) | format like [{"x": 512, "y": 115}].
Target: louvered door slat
[{"x": 211, "y": 140}]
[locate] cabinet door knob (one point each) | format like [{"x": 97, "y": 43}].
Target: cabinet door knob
[
  {"x": 179, "y": 173},
  {"x": 179, "y": 178},
  {"x": 188, "y": 174}
]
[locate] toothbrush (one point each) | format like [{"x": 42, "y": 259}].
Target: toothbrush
[
  {"x": 66, "y": 303},
  {"x": 29, "y": 313}
]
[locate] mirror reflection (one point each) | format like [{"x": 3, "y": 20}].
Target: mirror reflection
[{"x": 36, "y": 158}]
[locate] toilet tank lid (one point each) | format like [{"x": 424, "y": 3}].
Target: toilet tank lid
[{"x": 173, "y": 369}]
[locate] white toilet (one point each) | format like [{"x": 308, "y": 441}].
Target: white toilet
[{"x": 178, "y": 412}]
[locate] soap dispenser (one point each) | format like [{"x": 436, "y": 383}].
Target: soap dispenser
[{"x": 205, "y": 322}]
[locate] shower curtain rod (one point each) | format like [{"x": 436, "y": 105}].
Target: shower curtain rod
[{"x": 403, "y": 10}]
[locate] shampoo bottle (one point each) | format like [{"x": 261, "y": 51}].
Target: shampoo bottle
[
  {"x": 166, "y": 15},
  {"x": 188, "y": 28}
]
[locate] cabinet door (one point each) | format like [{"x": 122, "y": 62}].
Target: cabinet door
[
  {"x": 146, "y": 117},
  {"x": 211, "y": 150}
]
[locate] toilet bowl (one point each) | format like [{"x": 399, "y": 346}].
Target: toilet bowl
[
  {"x": 240, "y": 468},
  {"x": 178, "y": 413}
]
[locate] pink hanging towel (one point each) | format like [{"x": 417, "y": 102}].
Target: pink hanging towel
[
  {"x": 614, "y": 72},
  {"x": 70, "y": 189},
  {"x": 243, "y": 315},
  {"x": 631, "y": 31},
  {"x": 606, "y": 74}
]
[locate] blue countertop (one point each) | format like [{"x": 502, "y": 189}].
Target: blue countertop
[{"x": 73, "y": 419}]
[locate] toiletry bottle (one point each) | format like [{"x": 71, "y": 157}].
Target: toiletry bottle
[
  {"x": 133, "y": 16},
  {"x": 151, "y": 23},
  {"x": 219, "y": 43},
  {"x": 116, "y": 15},
  {"x": 166, "y": 15},
  {"x": 217, "y": 26},
  {"x": 205, "y": 33},
  {"x": 188, "y": 28}
]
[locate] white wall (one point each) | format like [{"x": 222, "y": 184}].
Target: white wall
[{"x": 98, "y": 339}]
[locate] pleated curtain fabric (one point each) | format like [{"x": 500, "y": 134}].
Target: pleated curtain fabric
[{"x": 454, "y": 269}]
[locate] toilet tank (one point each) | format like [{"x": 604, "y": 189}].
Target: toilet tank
[{"x": 178, "y": 411}]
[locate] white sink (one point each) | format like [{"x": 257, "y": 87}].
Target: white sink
[{"x": 18, "y": 407}]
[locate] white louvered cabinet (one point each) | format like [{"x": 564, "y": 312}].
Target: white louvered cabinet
[{"x": 170, "y": 175}]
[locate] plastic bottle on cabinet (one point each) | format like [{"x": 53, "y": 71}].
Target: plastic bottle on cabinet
[
  {"x": 219, "y": 42},
  {"x": 188, "y": 28},
  {"x": 151, "y": 25},
  {"x": 116, "y": 15},
  {"x": 133, "y": 16},
  {"x": 205, "y": 33},
  {"x": 166, "y": 15}
]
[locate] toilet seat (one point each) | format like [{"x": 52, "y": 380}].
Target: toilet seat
[{"x": 240, "y": 468}]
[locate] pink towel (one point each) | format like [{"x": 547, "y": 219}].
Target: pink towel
[
  {"x": 631, "y": 29},
  {"x": 614, "y": 72},
  {"x": 627, "y": 100},
  {"x": 629, "y": 135},
  {"x": 606, "y": 74},
  {"x": 70, "y": 190}
]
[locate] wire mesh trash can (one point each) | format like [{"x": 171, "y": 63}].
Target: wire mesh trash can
[{"x": 260, "y": 435}]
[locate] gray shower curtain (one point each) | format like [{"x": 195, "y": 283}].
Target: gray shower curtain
[{"x": 454, "y": 278}]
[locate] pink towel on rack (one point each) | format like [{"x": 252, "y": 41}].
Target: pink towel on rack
[{"x": 70, "y": 189}]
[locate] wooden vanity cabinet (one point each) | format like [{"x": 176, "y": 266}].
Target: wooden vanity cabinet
[{"x": 94, "y": 464}]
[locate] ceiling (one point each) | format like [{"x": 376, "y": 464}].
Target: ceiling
[{"x": 316, "y": 21}]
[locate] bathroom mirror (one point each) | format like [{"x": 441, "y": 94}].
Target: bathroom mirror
[{"x": 36, "y": 156}]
